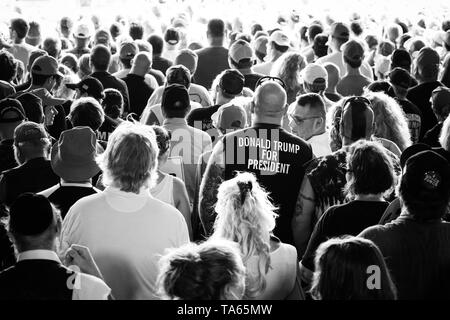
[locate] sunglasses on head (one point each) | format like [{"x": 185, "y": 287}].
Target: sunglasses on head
[
  {"x": 269, "y": 78},
  {"x": 357, "y": 99}
]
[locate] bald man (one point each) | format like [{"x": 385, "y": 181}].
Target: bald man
[
  {"x": 265, "y": 149},
  {"x": 138, "y": 88}
]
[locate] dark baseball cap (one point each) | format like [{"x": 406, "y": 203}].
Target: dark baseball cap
[
  {"x": 232, "y": 82},
  {"x": 30, "y": 215},
  {"x": 172, "y": 36},
  {"x": 92, "y": 86},
  {"x": 412, "y": 151},
  {"x": 400, "y": 77},
  {"x": 29, "y": 131},
  {"x": 178, "y": 74},
  {"x": 11, "y": 110},
  {"x": 175, "y": 97},
  {"x": 401, "y": 58}
]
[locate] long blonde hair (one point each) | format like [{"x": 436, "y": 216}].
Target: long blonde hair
[{"x": 246, "y": 216}]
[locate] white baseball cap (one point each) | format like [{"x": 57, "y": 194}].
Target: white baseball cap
[
  {"x": 83, "y": 30},
  {"x": 280, "y": 38},
  {"x": 313, "y": 72}
]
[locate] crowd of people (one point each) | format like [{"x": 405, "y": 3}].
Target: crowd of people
[{"x": 303, "y": 160}]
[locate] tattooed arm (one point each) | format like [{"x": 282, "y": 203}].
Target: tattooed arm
[
  {"x": 213, "y": 177},
  {"x": 303, "y": 216}
]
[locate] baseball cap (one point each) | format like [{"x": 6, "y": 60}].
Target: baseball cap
[
  {"x": 230, "y": 116},
  {"x": 353, "y": 51},
  {"x": 427, "y": 178},
  {"x": 440, "y": 98},
  {"x": 175, "y": 96},
  {"x": 46, "y": 66},
  {"x": 315, "y": 74},
  {"x": 29, "y": 131},
  {"x": 240, "y": 50},
  {"x": 232, "y": 82},
  {"x": 128, "y": 50},
  {"x": 400, "y": 77},
  {"x": 427, "y": 57},
  {"x": 411, "y": 151},
  {"x": 11, "y": 110},
  {"x": 24, "y": 223},
  {"x": 401, "y": 58},
  {"x": 172, "y": 36},
  {"x": 187, "y": 58},
  {"x": 92, "y": 86},
  {"x": 260, "y": 44},
  {"x": 357, "y": 119},
  {"x": 280, "y": 38},
  {"x": 83, "y": 30},
  {"x": 102, "y": 36},
  {"x": 32, "y": 106},
  {"x": 340, "y": 31}
]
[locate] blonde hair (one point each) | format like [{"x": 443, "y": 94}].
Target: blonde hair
[
  {"x": 246, "y": 215},
  {"x": 288, "y": 68},
  {"x": 390, "y": 120},
  {"x": 444, "y": 138},
  {"x": 131, "y": 158}
]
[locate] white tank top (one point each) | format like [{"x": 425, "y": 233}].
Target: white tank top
[{"x": 164, "y": 190}]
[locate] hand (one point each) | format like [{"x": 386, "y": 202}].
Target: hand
[{"x": 81, "y": 256}]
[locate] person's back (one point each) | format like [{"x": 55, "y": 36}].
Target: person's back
[
  {"x": 212, "y": 60},
  {"x": 352, "y": 85}
]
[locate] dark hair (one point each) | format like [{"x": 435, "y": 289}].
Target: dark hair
[
  {"x": 403, "y": 38},
  {"x": 200, "y": 272},
  {"x": 115, "y": 30},
  {"x": 356, "y": 28},
  {"x": 8, "y": 66},
  {"x": 136, "y": 31},
  {"x": 446, "y": 75},
  {"x": 370, "y": 168},
  {"x": 279, "y": 48},
  {"x": 126, "y": 62},
  {"x": 313, "y": 31},
  {"x": 21, "y": 27},
  {"x": 255, "y": 28},
  {"x": 342, "y": 270},
  {"x": 163, "y": 138},
  {"x": 100, "y": 57},
  {"x": 113, "y": 103},
  {"x": 157, "y": 43},
  {"x": 303, "y": 33},
  {"x": 320, "y": 47},
  {"x": 216, "y": 28},
  {"x": 382, "y": 86},
  {"x": 71, "y": 61},
  {"x": 244, "y": 37},
  {"x": 353, "y": 63},
  {"x": 86, "y": 112},
  {"x": 314, "y": 100},
  {"x": 445, "y": 25}
]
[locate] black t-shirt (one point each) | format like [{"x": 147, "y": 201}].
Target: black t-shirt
[
  {"x": 65, "y": 197},
  {"x": 161, "y": 64},
  {"x": 413, "y": 116},
  {"x": 211, "y": 62},
  {"x": 108, "y": 126},
  {"x": 201, "y": 119},
  {"x": 7, "y": 160},
  {"x": 431, "y": 138},
  {"x": 347, "y": 219},
  {"x": 277, "y": 158},
  {"x": 111, "y": 82},
  {"x": 7, "y": 258},
  {"x": 420, "y": 96},
  {"x": 139, "y": 92}
]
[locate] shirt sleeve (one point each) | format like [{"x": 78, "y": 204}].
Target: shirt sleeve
[{"x": 91, "y": 288}]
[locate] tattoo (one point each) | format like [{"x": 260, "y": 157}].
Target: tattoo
[{"x": 211, "y": 181}]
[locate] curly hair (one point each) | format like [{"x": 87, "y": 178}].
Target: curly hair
[
  {"x": 288, "y": 68},
  {"x": 390, "y": 120},
  {"x": 209, "y": 271},
  {"x": 245, "y": 215}
]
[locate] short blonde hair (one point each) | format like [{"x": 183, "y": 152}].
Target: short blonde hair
[{"x": 131, "y": 157}]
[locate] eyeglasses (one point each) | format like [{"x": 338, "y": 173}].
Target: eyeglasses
[
  {"x": 298, "y": 121},
  {"x": 269, "y": 78}
]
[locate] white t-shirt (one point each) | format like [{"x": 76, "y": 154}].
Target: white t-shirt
[
  {"x": 321, "y": 145},
  {"x": 127, "y": 234},
  {"x": 338, "y": 59},
  {"x": 263, "y": 68},
  {"x": 197, "y": 94}
]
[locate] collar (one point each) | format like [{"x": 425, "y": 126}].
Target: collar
[
  {"x": 38, "y": 255},
  {"x": 36, "y": 161},
  {"x": 176, "y": 121},
  {"x": 76, "y": 184}
]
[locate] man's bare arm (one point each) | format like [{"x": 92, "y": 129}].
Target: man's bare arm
[{"x": 302, "y": 217}]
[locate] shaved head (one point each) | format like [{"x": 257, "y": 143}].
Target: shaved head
[
  {"x": 270, "y": 100},
  {"x": 142, "y": 63}
]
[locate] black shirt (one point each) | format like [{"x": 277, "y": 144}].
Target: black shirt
[
  {"x": 109, "y": 81},
  {"x": 161, "y": 64},
  {"x": 139, "y": 93},
  {"x": 251, "y": 79},
  {"x": 413, "y": 116},
  {"x": 33, "y": 176},
  {"x": 201, "y": 119},
  {"x": 65, "y": 196},
  {"x": 7, "y": 160},
  {"x": 159, "y": 76},
  {"x": 7, "y": 258},
  {"x": 420, "y": 96},
  {"x": 277, "y": 158},
  {"x": 431, "y": 138},
  {"x": 108, "y": 126},
  {"x": 347, "y": 219},
  {"x": 211, "y": 62}
]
